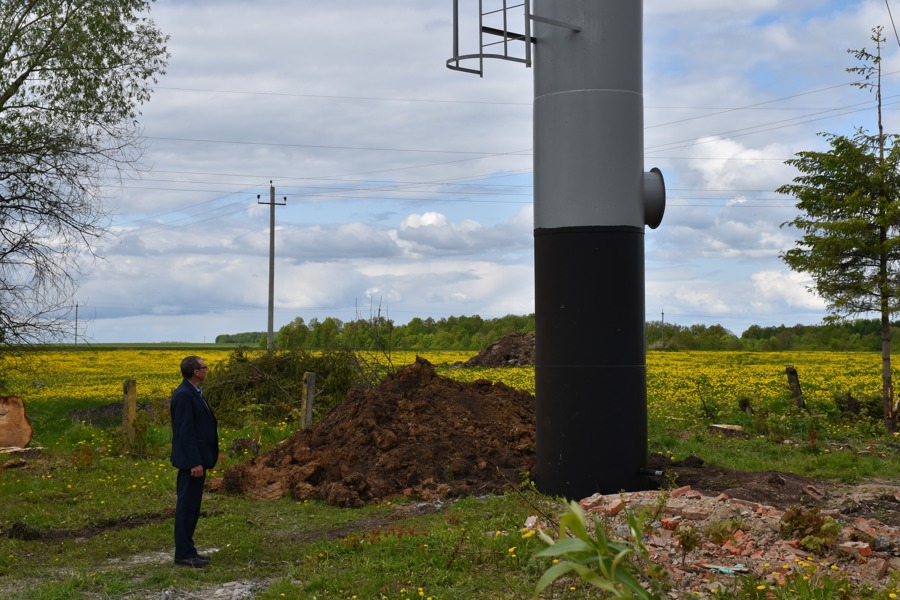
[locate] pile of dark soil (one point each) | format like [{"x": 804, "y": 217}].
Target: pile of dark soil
[
  {"x": 513, "y": 350},
  {"x": 416, "y": 434},
  {"x": 422, "y": 435}
]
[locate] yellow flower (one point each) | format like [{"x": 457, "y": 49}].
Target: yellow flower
[{"x": 760, "y": 587}]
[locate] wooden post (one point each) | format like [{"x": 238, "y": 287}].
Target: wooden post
[
  {"x": 794, "y": 384},
  {"x": 129, "y": 408},
  {"x": 306, "y": 402}
]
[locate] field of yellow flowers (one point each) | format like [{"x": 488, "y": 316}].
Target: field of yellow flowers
[
  {"x": 83, "y": 485},
  {"x": 678, "y": 383}
]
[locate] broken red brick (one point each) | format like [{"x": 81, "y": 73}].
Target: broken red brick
[
  {"x": 875, "y": 569},
  {"x": 694, "y": 513},
  {"x": 614, "y": 508},
  {"x": 680, "y": 491},
  {"x": 866, "y": 526},
  {"x": 861, "y": 549},
  {"x": 746, "y": 504},
  {"x": 671, "y": 523},
  {"x": 592, "y": 502},
  {"x": 814, "y": 492}
]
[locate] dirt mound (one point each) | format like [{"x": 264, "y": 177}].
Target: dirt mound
[
  {"x": 767, "y": 487},
  {"x": 415, "y": 434},
  {"x": 513, "y": 350}
]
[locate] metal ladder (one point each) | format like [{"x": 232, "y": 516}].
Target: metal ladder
[{"x": 495, "y": 40}]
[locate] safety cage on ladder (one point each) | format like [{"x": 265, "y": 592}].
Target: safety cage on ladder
[{"x": 495, "y": 40}]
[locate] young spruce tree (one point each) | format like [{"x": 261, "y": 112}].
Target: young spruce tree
[{"x": 849, "y": 202}]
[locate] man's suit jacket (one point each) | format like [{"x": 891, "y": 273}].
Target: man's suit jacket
[{"x": 195, "y": 437}]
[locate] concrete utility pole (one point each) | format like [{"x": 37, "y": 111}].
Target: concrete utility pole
[
  {"x": 592, "y": 200},
  {"x": 270, "y": 333}
]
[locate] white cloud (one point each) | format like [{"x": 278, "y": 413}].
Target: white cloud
[
  {"x": 408, "y": 183},
  {"x": 774, "y": 288}
]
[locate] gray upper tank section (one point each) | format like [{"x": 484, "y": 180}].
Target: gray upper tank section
[{"x": 589, "y": 117}]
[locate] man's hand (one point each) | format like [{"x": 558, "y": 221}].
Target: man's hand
[{"x": 197, "y": 471}]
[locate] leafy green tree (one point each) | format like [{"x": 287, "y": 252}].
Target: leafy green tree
[
  {"x": 72, "y": 76},
  {"x": 850, "y": 221},
  {"x": 293, "y": 336},
  {"x": 326, "y": 334}
]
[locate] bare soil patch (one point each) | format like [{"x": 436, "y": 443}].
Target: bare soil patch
[
  {"x": 416, "y": 434},
  {"x": 513, "y": 350},
  {"x": 782, "y": 490},
  {"x": 422, "y": 435}
]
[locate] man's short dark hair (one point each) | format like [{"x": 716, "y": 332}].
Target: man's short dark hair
[{"x": 189, "y": 365}]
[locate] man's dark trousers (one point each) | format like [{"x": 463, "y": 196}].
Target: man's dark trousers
[{"x": 187, "y": 512}]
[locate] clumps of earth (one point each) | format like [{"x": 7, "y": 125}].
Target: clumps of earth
[
  {"x": 416, "y": 434},
  {"x": 513, "y": 350},
  {"x": 422, "y": 435}
]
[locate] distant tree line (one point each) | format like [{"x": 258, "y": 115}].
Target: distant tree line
[
  {"x": 859, "y": 335},
  {"x": 475, "y": 333},
  {"x": 379, "y": 333}
]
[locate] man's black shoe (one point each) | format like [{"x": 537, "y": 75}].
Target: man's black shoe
[
  {"x": 194, "y": 561},
  {"x": 203, "y": 557}
]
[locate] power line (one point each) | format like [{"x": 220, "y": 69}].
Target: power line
[
  {"x": 888, "y": 4},
  {"x": 334, "y": 97},
  {"x": 499, "y": 103},
  {"x": 322, "y": 146},
  {"x": 687, "y": 143}
]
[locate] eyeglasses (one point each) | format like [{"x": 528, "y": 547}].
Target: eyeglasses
[{"x": 202, "y": 369}]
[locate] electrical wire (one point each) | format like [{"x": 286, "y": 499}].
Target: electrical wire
[
  {"x": 888, "y": 4},
  {"x": 364, "y": 193}
]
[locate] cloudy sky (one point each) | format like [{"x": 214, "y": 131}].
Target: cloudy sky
[{"x": 409, "y": 186}]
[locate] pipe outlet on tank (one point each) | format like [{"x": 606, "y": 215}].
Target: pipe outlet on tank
[{"x": 653, "y": 190}]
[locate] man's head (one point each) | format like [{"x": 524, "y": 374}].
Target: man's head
[{"x": 193, "y": 367}]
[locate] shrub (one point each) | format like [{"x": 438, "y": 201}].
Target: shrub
[
  {"x": 268, "y": 386},
  {"x": 815, "y": 531}
]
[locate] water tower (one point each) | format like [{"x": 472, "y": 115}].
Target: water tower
[{"x": 592, "y": 200}]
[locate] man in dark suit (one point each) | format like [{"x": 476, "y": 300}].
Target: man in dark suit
[{"x": 195, "y": 449}]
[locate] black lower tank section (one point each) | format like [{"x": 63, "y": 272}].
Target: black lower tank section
[{"x": 590, "y": 360}]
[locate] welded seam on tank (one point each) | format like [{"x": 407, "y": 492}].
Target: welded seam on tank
[{"x": 593, "y": 90}]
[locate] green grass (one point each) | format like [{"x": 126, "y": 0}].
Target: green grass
[
  {"x": 86, "y": 520},
  {"x": 122, "y": 545},
  {"x": 848, "y": 461}
]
